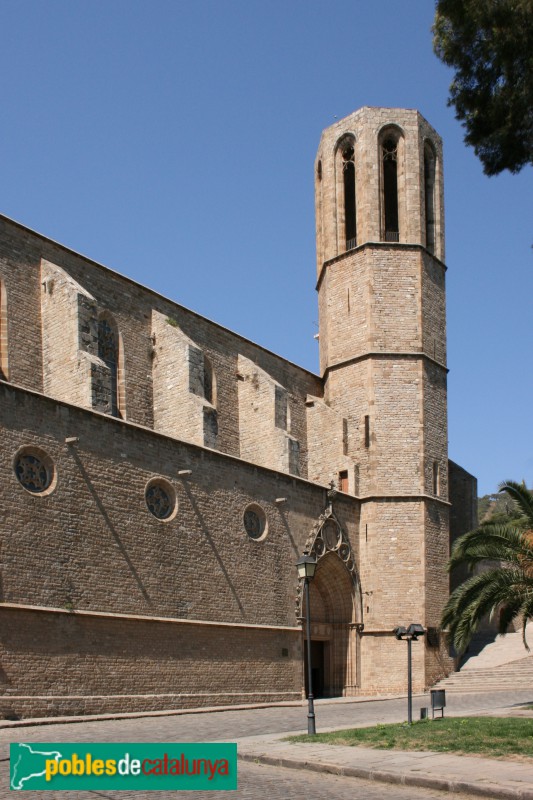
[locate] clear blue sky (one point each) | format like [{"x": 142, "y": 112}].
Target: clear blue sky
[{"x": 174, "y": 141}]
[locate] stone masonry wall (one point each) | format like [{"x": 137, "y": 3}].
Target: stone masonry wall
[
  {"x": 364, "y": 126},
  {"x": 434, "y": 306},
  {"x": 20, "y": 272},
  {"x": 133, "y": 307},
  {"x": 327, "y": 434},
  {"x": 437, "y": 549},
  {"x": 435, "y": 429},
  {"x": 264, "y": 420},
  {"x": 93, "y": 544},
  {"x": 393, "y": 580},
  {"x": 463, "y": 511},
  {"x": 70, "y": 343},
  {"x": 178, "y": 411},
  {"x": 90, "y": 545},
  {"x": 68, "y": 663}
]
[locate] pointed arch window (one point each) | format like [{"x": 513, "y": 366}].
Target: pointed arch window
[
  {"x": 209, "y": 382},
  {"x": 346, "y": 194},
  {"x": 348, "y": 173},
  {"x": 389, "y": 158},
  {"x": 4, "y": 369},
  {"x": 110, "y": 351},
  {"x": 429, "y": 194}
]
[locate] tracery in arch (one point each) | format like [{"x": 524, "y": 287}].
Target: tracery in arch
[
  {"x": 111, "y": 352},
  {"x": 328, "y": 538},
  {"x": 391, "y": 160},
  {"x": 429, "y": 194},
  {"x": 346, "y": 193}
]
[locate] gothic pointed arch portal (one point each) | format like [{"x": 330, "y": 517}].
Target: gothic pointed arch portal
[{"x": 336, "y": 610}]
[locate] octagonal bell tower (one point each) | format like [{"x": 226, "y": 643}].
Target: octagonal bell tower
[{"x": 381, "y": 286}]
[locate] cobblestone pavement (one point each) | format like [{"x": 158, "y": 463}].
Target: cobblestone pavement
[
  {"x": 232, "y": 725},
  {"x": 258, "y": 782}
]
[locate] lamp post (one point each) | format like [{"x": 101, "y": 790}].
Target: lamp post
[
  {"x": 306, "y": 566},
  {"x": 409, "y": 634}
]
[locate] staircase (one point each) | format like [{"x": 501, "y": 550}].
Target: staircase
[{"x": 502, "y": 665}]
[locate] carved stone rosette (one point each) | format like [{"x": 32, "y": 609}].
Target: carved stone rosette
[{"x": 328, "y": 536}]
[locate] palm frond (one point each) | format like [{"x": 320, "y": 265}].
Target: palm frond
[
  {"x": 522, "y": 496},
  {"x": 493, "y": 542},
  {"x": 481, "y": 595},
  {"x": 506, "y": 589}
]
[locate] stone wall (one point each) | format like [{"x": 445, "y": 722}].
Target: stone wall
[
  {"x": 90, "y": 548},
  {"x": 187, "y": 472},
  {"x": 62, "y": 663},
  {"x": 55, "y": 293},
  {"x": 463, "y": 511},
  {"x": 364, "y": 128}
]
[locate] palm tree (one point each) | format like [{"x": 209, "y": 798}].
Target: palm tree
[{"x": 506, "y": 587}]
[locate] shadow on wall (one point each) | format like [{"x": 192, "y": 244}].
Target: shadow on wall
[
  {"x": 209, "y": 539},
  {"x": 110, "y": 525}
]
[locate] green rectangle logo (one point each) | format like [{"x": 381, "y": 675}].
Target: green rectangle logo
[{"x": 153, "y": 767}]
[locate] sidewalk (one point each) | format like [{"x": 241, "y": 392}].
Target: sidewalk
[{"x": 485, "y": 777}]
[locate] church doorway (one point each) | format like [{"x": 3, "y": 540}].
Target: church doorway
[
  {"x": 334, "y": 636},
  {"x": 318, "y": 662}
]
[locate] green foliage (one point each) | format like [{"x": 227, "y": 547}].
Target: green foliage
[
  {"x": 496, "y": 507},
  {"x": 505, "y": 587},
  {"x": 494, "y": 736},
  {"x": 489, "y": 44},
  {"x": 172, "y": 322}
]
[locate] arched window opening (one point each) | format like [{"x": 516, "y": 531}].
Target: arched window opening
[
  {"x": 319, "y": 213},
  {"x": 108, "y": 352},
  {"x": 429, "y": 195},
  {"x": 389, "y": 155},
  {"x": 209, "y": 382},
  {"x": 436, "y": 479},
  {"x": 121, "y": 379},
  {"x": 4, "y": 370},
  {"x": 348, "y": 171}
]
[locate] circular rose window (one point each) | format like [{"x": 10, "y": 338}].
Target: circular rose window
[
  {"x": 255, "y": 522},
  {"x": 161, "y": 500},
  {"x": 34, "y": 470}
]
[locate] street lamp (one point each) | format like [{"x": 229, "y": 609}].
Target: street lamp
[
  {"x": 306, "y": 566},
  {"x": 409, "y": 634}
]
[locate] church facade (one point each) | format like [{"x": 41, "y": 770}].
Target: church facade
[{"x": 161, "y": 475}]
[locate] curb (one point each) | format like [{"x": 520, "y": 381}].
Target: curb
[{"x": 420, "y": 781}]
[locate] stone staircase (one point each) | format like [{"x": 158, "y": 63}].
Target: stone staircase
[{"x": 502, "y": 665}]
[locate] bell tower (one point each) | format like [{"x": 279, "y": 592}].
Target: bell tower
[{"x": 381, "y": 287}]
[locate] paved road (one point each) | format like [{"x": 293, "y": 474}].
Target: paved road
[
  {"x": 258, "y": 782},
  {"x": 232, "y": 725}
]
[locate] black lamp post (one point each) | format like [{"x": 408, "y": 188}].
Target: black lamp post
[
  {"x": 306, "y": 570},
  {"x": 409, "y": 634}
]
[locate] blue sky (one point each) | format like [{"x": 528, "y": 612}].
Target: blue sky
[{"x": 174, "y": 141}]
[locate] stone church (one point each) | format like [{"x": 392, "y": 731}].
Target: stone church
[{"x": 161, "y": 475}]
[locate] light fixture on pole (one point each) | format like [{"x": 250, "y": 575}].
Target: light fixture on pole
[
  {"x": 409, "y": 635},
  {"x": 306, "y": 566}
]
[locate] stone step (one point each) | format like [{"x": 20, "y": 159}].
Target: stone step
[
  {"x": 516, "y": 674},
  {"x": 503, "y": 650}
]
